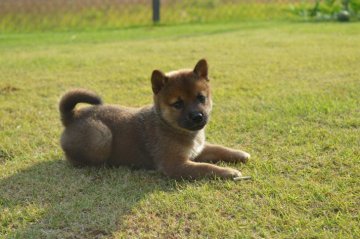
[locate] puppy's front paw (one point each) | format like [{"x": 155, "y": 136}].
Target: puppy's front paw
[
  {"x": 231, "y": 173},
  {"x": 242, "y": 156}
]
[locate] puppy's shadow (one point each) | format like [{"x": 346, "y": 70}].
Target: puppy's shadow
[{"x": 58, "y": 200}]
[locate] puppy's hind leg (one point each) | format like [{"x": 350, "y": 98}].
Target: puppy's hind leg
[{"x": 87, "y": 143}]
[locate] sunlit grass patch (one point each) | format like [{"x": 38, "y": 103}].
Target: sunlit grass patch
[{"x": 287, "y": 93}]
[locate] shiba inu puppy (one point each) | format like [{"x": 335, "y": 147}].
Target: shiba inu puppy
[{"x": 167, "y": 136}]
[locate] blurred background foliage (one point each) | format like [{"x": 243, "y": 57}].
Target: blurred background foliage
[{"x": 44, "y": 15}]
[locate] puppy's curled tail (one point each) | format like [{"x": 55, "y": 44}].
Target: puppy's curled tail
[{"x": 71, "y": 98}]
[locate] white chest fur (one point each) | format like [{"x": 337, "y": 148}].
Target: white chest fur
[{"x": 198, "y": 145}]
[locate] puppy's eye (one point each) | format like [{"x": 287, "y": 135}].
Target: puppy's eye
[
  {"x": 201, "y": 98},
  {"x": 178, "y": 104}
]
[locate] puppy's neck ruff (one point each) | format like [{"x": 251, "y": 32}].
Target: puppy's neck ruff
[{"x": 198, "y": 145}]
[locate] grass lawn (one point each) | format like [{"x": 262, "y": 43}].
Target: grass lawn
[{"x": 286, "y": 93}]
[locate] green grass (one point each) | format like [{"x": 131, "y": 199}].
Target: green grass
[{"x": 286, "y": 93}]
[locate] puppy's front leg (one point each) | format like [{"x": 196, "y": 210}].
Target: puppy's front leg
[
  {"x": 194, "y": 170},
  {"x": 214, "y": 153}
]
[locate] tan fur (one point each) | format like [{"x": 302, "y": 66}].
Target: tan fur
[{"x": 163, "y": 136}]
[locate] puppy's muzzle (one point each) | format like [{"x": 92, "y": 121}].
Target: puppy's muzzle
[
  {"x": 197, "y": 120},
  {"x": 196, "y": 117}
]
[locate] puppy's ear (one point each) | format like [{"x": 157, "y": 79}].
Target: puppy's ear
[
  {"x": 201, "y": 69},
  {"x": 158, "y": 80}
]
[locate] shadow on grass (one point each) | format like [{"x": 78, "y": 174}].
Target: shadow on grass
[{"x": 53, "y": 199}]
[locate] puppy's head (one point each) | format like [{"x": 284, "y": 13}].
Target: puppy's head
[{"x": 183, "y": 97}]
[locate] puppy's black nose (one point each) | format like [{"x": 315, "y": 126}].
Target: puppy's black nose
[{"x": 196, "y": 117}]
